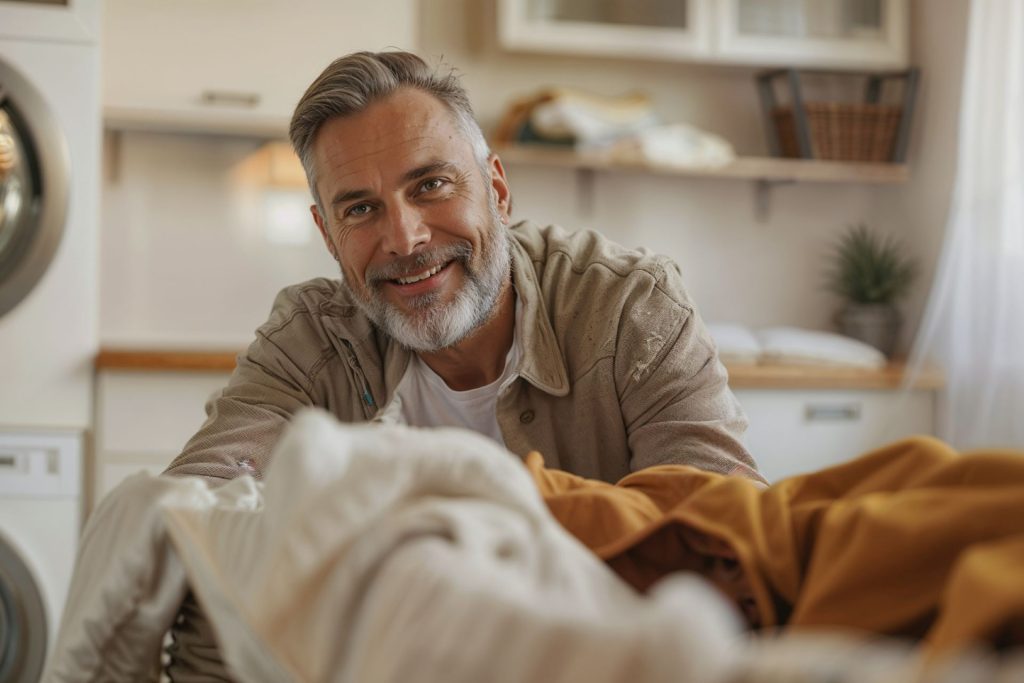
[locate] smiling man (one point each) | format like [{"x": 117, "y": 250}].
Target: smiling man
[{"x": 447, "y": 314}]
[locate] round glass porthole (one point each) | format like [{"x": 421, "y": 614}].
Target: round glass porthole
[
  {"x": 34, "y": 173},
  {"x": 22, "y": 620}
]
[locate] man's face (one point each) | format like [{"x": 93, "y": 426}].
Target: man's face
[{"x": 414, "y": 221}]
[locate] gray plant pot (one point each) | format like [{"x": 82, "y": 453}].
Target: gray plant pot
[{"x": 874, "y": 324}]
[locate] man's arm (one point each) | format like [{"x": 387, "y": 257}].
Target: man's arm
[
  {"x": 280, "y": 373},
  {"x": 243, "y": 421},
  {"x": 674, "y": 394}
]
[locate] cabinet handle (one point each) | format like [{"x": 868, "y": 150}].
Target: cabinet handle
[
  {"x": 824, "y": 411},
  {"x": 227, "y": 98}
]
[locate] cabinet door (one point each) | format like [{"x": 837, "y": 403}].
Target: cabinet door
[
  {"x": 657, "y": 29},
  {"x": 814, "y": 33},
  {"x": 233, "y": 66},
  {"x": 67, "y": 21},
  {"x": 793, "y": 432}
]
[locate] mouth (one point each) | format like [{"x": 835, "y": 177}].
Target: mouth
[
  {"x": 419, "y": 277},
  {"x": 420, "y": 283}
]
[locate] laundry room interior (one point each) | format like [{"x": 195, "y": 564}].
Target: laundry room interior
[{"x": 152, "y": 208}]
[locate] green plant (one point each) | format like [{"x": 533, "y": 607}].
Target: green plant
[{"x": 867, "y": 269}]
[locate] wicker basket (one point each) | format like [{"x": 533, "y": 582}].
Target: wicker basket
[{"x": 841, "y": 132}]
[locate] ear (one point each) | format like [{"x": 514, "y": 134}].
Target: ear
[
  {"x": 500, "y": 187},
  {"x": 319, "y": 220}
]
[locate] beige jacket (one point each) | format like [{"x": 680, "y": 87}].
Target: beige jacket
[
  {"x": 617, "y": 371},
  {"x": 617, "y": 374}
]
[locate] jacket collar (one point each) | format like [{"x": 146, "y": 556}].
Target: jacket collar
[{"x": 541, "y": 364}]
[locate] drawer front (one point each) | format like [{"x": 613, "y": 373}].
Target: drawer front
[{"x": 793, "y": 432}]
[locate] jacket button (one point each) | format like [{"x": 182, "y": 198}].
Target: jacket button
[{"x": 526, "y": 417}]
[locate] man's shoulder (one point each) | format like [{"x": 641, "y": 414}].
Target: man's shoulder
[
  {"x": 309, "y": 303},
  {"x": 587, "y": 256}
]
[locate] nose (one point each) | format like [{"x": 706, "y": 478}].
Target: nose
[{"x": 405, "y": 231}]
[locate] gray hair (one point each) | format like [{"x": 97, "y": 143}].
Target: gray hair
[{"x": 353, "y": 82}]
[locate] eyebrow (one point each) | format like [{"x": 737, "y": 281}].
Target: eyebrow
[{"x": 418, "y": 172}]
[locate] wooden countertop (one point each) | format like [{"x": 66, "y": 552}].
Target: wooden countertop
[{"x": 740, "y": 376}]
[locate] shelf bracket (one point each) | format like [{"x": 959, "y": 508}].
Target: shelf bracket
[
  {"x": 112, "y": 155},
  {"x": 763, "y": 196},
  {"x": 585, "y": 192}
]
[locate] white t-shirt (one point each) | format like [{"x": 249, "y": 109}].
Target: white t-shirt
[{"x": 426, "y": 401}]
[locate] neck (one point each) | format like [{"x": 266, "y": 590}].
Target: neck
[{"x": 479, "y": 359}]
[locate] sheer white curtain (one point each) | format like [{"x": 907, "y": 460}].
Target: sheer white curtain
[{"x": 974, "y": 322}]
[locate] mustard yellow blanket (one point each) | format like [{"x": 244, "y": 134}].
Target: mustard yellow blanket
[{"x": 912, "y": 540}]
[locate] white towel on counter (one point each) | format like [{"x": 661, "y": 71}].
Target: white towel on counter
[{"x": 740, "y": 345}]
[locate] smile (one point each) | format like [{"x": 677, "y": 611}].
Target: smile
[{"x": 408, "y": 280}]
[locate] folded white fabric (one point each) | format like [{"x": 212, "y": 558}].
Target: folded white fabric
[
  {"x": 794, "y": 345},
  {"x": 739, "y": 345},
  {"x": 677, "y": 145},
  {"x": 736, "y": 343},
  {"x": 590, "y": 119}
]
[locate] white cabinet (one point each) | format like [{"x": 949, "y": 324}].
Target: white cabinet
[
  {"x": 797, "y": 431},
  {"x": 70, "y": 21},
  {"x": 854, "y": 34},
  {"x": 818, "y": 33},
  {"x": 229, "y": 66},
  {"x": 656, "y": 29}
]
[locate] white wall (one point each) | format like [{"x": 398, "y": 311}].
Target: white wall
[
  {"x": 186, "y": 260},
  {"x": 183, "y": 259},
  {"x": 918, "y": 210}
]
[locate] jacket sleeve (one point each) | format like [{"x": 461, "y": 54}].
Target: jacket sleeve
[
  {"x": 673, "y": 390},
  {"x": 245, "y": 418},
  {"x": 273, "y": 379}
]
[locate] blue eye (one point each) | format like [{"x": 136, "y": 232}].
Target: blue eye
[
  {"x": 432, "y": 184},
  {"x": 358, "y": 210}
]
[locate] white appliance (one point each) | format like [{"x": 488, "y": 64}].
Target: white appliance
[
  {"x": 50, "y": 131},
  {"x": 40, "y": 507}
]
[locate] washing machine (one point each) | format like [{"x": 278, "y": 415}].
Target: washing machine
[
  {"x": 50, "y": 134},
  {"x": 40, "y": 508}
]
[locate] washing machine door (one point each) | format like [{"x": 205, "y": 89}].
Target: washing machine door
[
  {"x": 34, "y": 173},
  {"x": 22, "y": 619}
]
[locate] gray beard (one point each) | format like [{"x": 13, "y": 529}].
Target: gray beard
[{"x": 432, "y": 326}]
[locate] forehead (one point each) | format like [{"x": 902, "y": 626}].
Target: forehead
[{"x": 401, "y": 129}]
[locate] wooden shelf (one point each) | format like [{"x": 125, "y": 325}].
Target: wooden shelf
[
  {"x": 166, "y": 360},
  {"x": 828, "y": 377},
  {"x": 740, "y": 376},
  {"x": 744, "y": 168}
]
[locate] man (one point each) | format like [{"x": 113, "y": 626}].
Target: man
[
  {"x": 446, "y": 314},
  {"x": 545, "y": 340}
]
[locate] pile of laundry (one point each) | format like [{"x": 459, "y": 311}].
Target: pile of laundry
[{"x": 624, "y": 128}]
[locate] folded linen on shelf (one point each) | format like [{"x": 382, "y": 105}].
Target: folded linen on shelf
[{"x": 739, "y": 345}]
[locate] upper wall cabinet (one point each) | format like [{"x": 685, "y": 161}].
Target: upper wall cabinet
[
  {"x": 230, "y": 66},
  {"x": 844, "y": 34}
]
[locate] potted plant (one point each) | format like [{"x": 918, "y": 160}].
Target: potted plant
[{"x": 870, "y": 273}]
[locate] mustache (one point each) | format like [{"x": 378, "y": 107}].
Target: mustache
[{"x": 417, "y": 263}]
